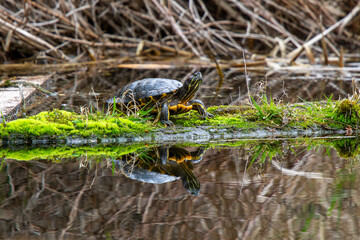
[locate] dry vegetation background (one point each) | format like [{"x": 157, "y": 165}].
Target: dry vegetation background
[{"x": 76, "y": 31}]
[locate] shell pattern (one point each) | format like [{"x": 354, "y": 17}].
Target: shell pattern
[{"x": 155, "y": 88}]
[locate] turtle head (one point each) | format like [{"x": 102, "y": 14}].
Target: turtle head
[
  {"x": 193, "y": 81},
  {"x": 191, "y": 85},
  {"x": 192, "y": 185}
]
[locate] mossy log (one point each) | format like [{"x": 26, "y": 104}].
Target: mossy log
[{"x": 230, "y": 123}]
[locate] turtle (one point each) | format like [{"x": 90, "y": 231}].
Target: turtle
[
  {"x": 162, "y": 96},
  {"x": 161, "y": 164}
]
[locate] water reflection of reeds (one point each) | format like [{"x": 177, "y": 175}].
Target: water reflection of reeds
[{"x": 52, "y": 200}]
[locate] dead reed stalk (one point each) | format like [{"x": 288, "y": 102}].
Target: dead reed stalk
[{"x": 81, "y": 30}]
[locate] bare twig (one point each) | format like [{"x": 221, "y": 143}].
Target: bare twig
[
  {"x": 295, "y": 53},
  {"x": 27, "y": 35},
  {"x": 75, "y": 207},
  {"x": 175, "y": 26}
]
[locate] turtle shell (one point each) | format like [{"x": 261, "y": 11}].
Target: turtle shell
[
  {"x": 144, "y": 175},
  {"x": 149, "y": 167},
  {"x": 147, "y": 89}
]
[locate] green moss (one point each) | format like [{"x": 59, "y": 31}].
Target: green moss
[
  {"x": 347, "y": 111},
  {"x": 300, "y": 116},
  {"x": 261, "y": 150},
  {"x": 224, "y": 117},
  {"x": 347, "y": 148},
  {"x": 34, "y": 127},
  {"x": 58, "y": 153},
  {"x": 330, "y": 115},
  {"x": 56, "y": 116},
  {"x": 63, "y": 123}
]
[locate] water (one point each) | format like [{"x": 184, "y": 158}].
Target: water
[
  {"x": 270, "y": 189},
  {"x": 92, "y": 86},
  {"x": 306, "y": 191}
]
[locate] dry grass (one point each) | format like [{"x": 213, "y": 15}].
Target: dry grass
[{"x": 90, "y": 30}]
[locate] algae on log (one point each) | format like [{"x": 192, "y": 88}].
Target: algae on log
[
  {"x": 229, "y": 123},
  {"x": 346, "y": 147}
]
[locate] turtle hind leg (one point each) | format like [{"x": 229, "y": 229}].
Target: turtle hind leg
[
  {"x": 165, "y": 116},
  {"x": 200, "y": 107}
]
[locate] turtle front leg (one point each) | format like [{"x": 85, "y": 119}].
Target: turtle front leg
[
  {"x": 197, "y": 156},
  {"x": 165, "y": 116},
  {"x": 164, "y": 154},
  {"x": 200, "y": 107}
]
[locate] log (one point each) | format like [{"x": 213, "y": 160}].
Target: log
[{"x": 22, "y": 92}]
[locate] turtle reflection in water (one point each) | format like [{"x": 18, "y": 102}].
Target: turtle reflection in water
[{"x": 162, "y": 164}]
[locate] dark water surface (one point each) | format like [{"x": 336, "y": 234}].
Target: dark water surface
[
  {"x": 284, "y": 189},
  {"x": 92, "y": 86},
  {"x": 306, "y": 191}
]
